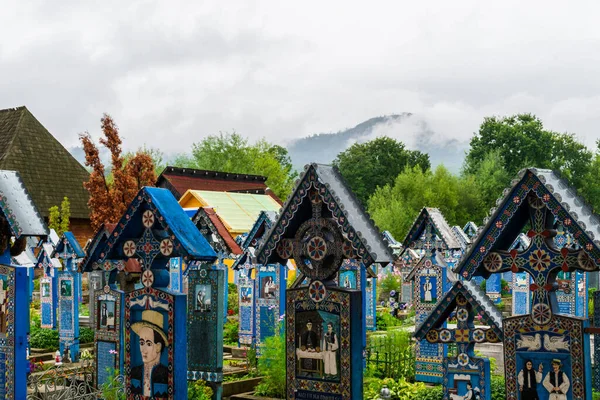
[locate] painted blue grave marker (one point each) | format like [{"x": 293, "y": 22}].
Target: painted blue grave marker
[
  {"x": 324, "y": 344},
  {"x": 557, "y": 345}
]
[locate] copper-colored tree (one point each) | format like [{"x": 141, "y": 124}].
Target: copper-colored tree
[{"x": 110, "y": 198}]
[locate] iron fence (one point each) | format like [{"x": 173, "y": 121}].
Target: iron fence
[
  {"x": 68, "y": 381},
  {"x": 391, "y": 356}
]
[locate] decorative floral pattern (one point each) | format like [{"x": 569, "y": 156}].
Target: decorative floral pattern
[
  {"x": 539, "y": 260},
  {"x": 317, "y": 291}
]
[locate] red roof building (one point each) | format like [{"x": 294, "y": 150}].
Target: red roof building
[{"x": 179, "y": 180}]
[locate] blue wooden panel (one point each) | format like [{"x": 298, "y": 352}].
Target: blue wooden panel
[{"x": 106, "y": 360}]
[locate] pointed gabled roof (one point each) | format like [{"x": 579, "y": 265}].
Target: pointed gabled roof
[
  {"x": 95, "y": 246},
  {"x": 222, "y": 238},
  {"x": 166, "y": 214},
  {"x": 263, "y": 223},
  {"x": 490, "y": 314},
  {"x": 440, "y": 228},
  {"x": 462, "y": 237},
  {"x": 68, "y": 247},
  {"x": 552, "y": 192},
  {"x": 470, "y": 229},
  {"x": 346, "y": 210},
  {"x": 395, "y": 245},
  {"x": 18, "y": 208},
  {"x": 26, "y": 146}
]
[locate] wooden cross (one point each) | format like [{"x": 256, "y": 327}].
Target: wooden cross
[{"x": 542, "y": 259}]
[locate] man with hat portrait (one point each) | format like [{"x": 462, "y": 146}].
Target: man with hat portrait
[
  {"x": 556, "y": 382},
  {"x": 151, "y": 379}
]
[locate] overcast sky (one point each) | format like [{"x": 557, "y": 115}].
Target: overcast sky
[{"x": 173, "y": 72}]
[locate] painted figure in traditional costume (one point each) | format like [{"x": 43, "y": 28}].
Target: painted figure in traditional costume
[
  {"x": 427, "y": 288},
  {"x": 528, "y": 380},
  {"x": 269, "y": 289},
  {"x": 151, "y": 379},
  {"x": 330, "y": 347},
  {"x": 556, "y": 382},
  {"x": 103, "y": 315}
]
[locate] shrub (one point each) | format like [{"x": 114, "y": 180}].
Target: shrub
[
  {"x": 400, "y": 389},
  {"x": 385, "y": 320},
  {"x": 272, "y": 366},
  {"x": 86, "y": 335},
  {"x": 230, "y": 331},
  {"x": 198, "y": 390},
  {"x": 430, "y": 393},
  {"x": 498, "y": 391},
  {"x": 113, "y": 388},
  {"x": 232, "y": 299},
  {"x": 43, "y": 338}
]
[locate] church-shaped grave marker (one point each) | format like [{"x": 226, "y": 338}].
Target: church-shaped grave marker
[
  {"x": 354, "y": 275},
  {"x": 69, "y": 295},
  {"x": 324, "y": 338},
  {"x": 19, "y": 219},
  {"x": 216, "y": 234},
  {"x": 48, "y": 285},
  {"x": 559, "y": 343},
  {"x": 108, "y": 331},
  {"x": 431, "y": 234},
  {"x": 467, "y": 301},
  {"x": 269, "y": 285},
  {"x": 408, "y": 260},
  {"x": 153, "y": 229}
]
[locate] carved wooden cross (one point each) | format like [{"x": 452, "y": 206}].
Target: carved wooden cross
[{"x": 542, "y": 259}]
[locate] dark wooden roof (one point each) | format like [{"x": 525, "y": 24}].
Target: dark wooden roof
[{"x": 48, "y": 170}]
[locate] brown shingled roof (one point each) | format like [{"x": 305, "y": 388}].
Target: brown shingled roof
[{"x": 48, "y": 170}]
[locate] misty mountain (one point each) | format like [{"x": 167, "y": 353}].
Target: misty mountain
[{"x": 406, "y": 127}]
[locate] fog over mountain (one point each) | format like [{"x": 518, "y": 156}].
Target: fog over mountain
[{"x": 408, "y": 128}]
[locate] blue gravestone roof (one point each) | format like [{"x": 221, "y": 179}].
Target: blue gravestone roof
[
  {"x": 180, "y": 225},
  {"x": 557, "y": 195},
  {"x": 18, "y": 208},
  {"x": 94, "y": 247},
  {"x": 265, "y": 220},
  {"x": 68, "y": 239},
  {"x": 347, "y": 211},
  {"x": 440, "y": 228},
  {"x": 186, "y": 237},
  {"x": 483, "y": 306}
]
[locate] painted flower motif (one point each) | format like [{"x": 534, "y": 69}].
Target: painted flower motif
[
  {"x": 499, "y": 224},
  {"x": 568, "y": 221},
  {"x": 461, "y": 335},
  {"x": 478, "y": 335},
  {"x": 445, "y": 335},
  {"x": 516, "y": 199},
  {"x": 539, "y": 260},
  {"x": 546, "y": 197}
]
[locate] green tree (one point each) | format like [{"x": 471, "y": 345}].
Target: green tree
[
  {"x": 490, "y": 179},
  {"x": 230, "y": 152},
  {"x": 522, "y": 141},
  {"x": 59, "y": 218},
  {"x": 590, "y": 188},
  {"x": 395, "y": 207},
  {"x": 367, "y": 166}
]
